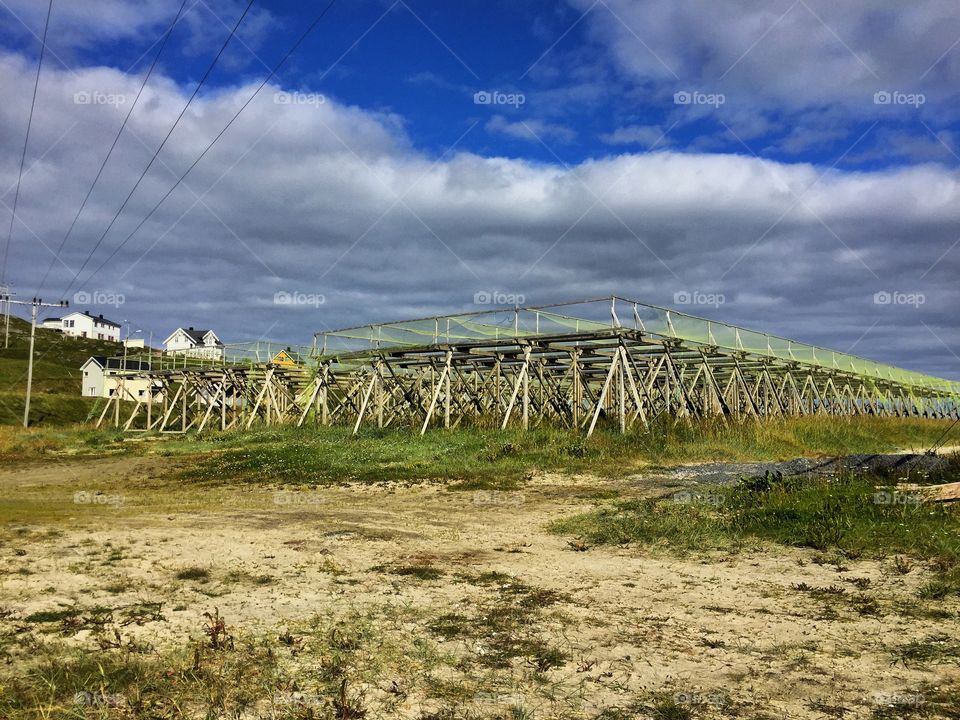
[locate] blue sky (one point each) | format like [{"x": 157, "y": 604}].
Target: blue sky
[
  {"x": 424, "y": 61},
  {"x": 797, "y": 158}
]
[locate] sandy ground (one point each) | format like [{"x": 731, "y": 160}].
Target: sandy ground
[{"x": 726, "y": 635}]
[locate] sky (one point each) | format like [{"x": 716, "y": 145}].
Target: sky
[{"x": 788, "y": 166}]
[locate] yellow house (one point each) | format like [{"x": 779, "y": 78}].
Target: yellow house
[{"x": 285, "y": 358}]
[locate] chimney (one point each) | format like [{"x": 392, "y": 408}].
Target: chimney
[
  {"x": 101, "y": 316},
  {"x": 190, "y": 328}
]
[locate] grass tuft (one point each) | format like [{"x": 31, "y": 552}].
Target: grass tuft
[{"x": 837, "y": 513}]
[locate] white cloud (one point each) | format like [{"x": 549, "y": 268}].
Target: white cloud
[
  {"x": 83, "y": 25},
  {"x": 531, "y": 130},
  {"x": 794, "y": 55},
  {"x": 804, "y": 71},
  {"x": 646, "y": 136},
  {"x": 332, "y": 199}
]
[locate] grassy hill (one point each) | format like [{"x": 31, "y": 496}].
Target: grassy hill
[{"x": 56, "y": 396}]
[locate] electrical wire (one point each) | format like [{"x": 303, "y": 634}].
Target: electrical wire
[
  {"x": 942, "y": 439},
  {"x": 26, "y": 141},
  {"x": 203, "y": 80},
  {"x": 113, "y": 145},
  {"x": 267, "y": 79}
]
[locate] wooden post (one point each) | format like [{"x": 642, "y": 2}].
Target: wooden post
[
  {"x": 621, "y": 396},
  {"x": 526, "y": 396},
  {"x": 436, "y": 392},
  {"x": 446, "y": 399},
  {"x": 614, "y": 361},
  {"x": 516, "y": 388}
]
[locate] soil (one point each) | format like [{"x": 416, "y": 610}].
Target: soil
[{"x": 720, "y": 634}]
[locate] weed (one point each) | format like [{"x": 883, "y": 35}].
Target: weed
[
  {"x": 215, "y": 628},
  {"x": 902, "y": 565},
  {"x": 666, "y": 707},
  {"x": 194, "y": 573},
  {"x": 420, "y": 572},
  {"x": 347, "y": 707},
  {"x": 820, "y": 513},
  {"x": 932, "y": 649}
]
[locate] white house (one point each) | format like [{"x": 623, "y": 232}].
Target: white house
[
  {"x": 102, "y": 376},
  {"x": 83, "y": 324},
  {"x": 194, "y": 343}
]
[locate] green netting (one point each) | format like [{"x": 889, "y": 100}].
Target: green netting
[{"x": 594, "y": 316}]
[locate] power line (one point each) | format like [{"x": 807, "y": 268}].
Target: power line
[
  {"x": 942, "y": 439},
  {"x": 267, "y": 79},
  {"x": 146, "y": 77},
  {"x": 162, "y": 144},
  {"x": 26, "y": 141}
]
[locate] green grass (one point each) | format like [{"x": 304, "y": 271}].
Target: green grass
[
  {"x": 56, "y": 398},
  {"x": 219, "y": 670},
  {"x": 503, "y": 629},
  {"x": 821, "y": 513},
  {"x": 501, "y": 459},
  {"x": 838, "y": 513},
  {"x": 471, "y": 458},
  {"x": 939, "y": 648}
]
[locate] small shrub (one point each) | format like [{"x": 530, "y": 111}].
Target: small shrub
[{"x": 193, "y": 573}]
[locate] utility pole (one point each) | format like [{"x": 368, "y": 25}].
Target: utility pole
[
  {"x": 125, "y": 343},
  {"x": 6, "y": 292},
  {"x": 35, "y": 306}
]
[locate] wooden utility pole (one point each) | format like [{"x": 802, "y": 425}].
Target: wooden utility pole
[{"x": 35, "y": 305}]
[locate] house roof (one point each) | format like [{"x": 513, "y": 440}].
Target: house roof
[
  {"x": 98, "y": 318},
  {"x": 117, "y": 363},
  {"x": 196, "y": 335}
]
